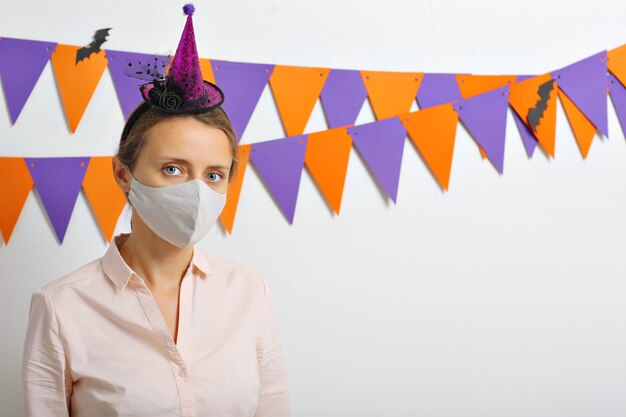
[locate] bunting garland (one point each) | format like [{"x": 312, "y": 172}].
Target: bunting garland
[
  {"x": 484, "y": 115},
  {"x": 342, "y": 97},
  {"x": 478, "y": 102},
  {"x": 280, "y": 164},
  {"x": 76, "y": 81},
  {"x": 618, "y": 97},
  {"x": 21, "y": 64},
  {"x": 326, "y": 157},
  {"x": 243, "y": 84},
  {"x": 58, "y": 182},
  {"x": 381, "y": 144},
  {"x": 296, "y": 90},
  {"x": 433, "y": 131}
]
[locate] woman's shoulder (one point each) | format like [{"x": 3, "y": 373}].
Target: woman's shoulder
[
  {"x": 226, "y": 268},
  {"x": 80, "y": 276}
]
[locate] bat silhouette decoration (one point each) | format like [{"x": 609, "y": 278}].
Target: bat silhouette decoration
[
  {"x": 536, "y": 113},
  {"x": 98, "y": 39}
]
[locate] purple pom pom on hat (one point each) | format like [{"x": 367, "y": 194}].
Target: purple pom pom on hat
[{"x": 188, "y": 9}]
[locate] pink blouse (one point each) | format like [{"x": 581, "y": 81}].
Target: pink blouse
[{"x": 98, "y": 345}]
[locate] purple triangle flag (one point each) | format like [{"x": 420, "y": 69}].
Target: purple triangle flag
[
  {"x": 242, "y": 84},
  {"x": 58, "y": 182},
  {"x": 618, "y": 96},
  {"x": 21, "y": 63},
  {"x": 528, "y": 138},
  {"x": 381, "y": 143},
  {"x": 585, "y": 83},
  {"x": 342, "y": 97},
  {"x": 484, "y": 116},
  {"x": 279, "y": 163},
  {"x": 437, "y": 89},
  {"x": 129, "y": 70}
]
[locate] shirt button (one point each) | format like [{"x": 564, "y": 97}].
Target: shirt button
[{"x": 182, "y": 373}]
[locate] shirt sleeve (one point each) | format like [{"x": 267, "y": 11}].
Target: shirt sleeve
[
  {"x": 274, "y": 389},
  {"x": 46, "y": 378}
]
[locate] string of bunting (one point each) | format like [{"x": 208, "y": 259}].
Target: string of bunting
[{"x": 479, "y": 102}]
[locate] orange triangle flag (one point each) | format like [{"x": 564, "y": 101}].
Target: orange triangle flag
[
  {"x": 207, "y": 70},
  {"x": 433, "y": 132},
  {"x": 76, "y": 81},
  {"x": 472, "y": 85},
  {"x": 583, "y": 129},
  {"x": 104, "y": 194},
  {"x": 391, "y": 93},
  {"x": 326, "y": 157},
  {"x": 617, "y": 63},
  {"x": 14, "y": 189},
  {"x": 296, "y": 90},
  {"x": 227, "y": 216},
  {"x": 525, "y": 99}
]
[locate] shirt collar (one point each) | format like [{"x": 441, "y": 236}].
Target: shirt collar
[{"x": 120, "y": 273}]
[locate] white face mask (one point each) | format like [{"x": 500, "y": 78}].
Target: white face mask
[{"x": 181, "y": 214}]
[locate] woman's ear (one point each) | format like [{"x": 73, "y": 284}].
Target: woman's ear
[{"x": 120, "y": 173}]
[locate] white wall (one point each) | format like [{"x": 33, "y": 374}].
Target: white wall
[{"x": 503, "y": 297}]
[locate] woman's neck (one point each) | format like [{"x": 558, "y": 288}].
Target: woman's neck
[{"x": 159, "y": 263}]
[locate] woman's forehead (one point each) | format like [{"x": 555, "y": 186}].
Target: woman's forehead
[{"x": 196, "y": 143}]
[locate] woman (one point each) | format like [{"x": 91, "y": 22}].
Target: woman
[{"x": 157, "y": 326}]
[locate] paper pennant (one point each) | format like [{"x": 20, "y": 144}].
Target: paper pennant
[
  {"x": 296, "y": 90},
  {"x": 326, "y": 157},
  {"x": 106, "y": 198},
  {"x": 15, "y": 186},
  {"x": 584, "y": 82},
  {"x": 618, "y": 96},
  {"x": 583, "y": 129},
  {"x": 342, "y": 97},
  {"x": 381, "y": 144},
  {"x": 484, "y": 116},
  {"x": 21, "y": 64},
  {"x": 536, "y": 97},
  {"x": 234, "y": 188},
  {"x": 207, "y": 69},
  {"x": 528, "y": 139},
  {"x": 279, "y": 163},
  {"x": 433, "y": 131},
  {"x": 242, "y": 85},
  {"x": 438, "y": 89},
  {"x": 76, "y": 81},
  {"x": 617, "y": 63},
  {"x": 127, "y": 88},
  {"x": 58, "y": 182},
  {"x": 472, "y": 85},
  {"x": 391, "y": 93}
]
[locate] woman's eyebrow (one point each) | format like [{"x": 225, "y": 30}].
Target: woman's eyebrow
[{"x": 184, "y": 161}]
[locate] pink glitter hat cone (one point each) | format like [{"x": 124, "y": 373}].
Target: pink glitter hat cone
[{"x": 183, "y": 90}]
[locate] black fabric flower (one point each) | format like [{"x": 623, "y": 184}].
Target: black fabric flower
[{"x": 170, "y": 100}]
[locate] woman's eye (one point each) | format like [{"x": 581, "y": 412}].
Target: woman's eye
[
  {"x": 170, "y": 169},
  {"x": 214, "y": 176}
]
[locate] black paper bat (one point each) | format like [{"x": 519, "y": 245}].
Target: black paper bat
[
  {"x": 536, "y": 113},
  {"x": 98, "y": 39}
]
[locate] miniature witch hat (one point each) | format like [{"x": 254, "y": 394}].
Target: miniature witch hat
[{"x": 183, "y": 90}]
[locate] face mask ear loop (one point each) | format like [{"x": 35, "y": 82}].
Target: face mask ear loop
[{"x": 129, "y": 173}]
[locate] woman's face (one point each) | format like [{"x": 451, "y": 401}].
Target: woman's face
[{"x": 181, "y": 149}]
